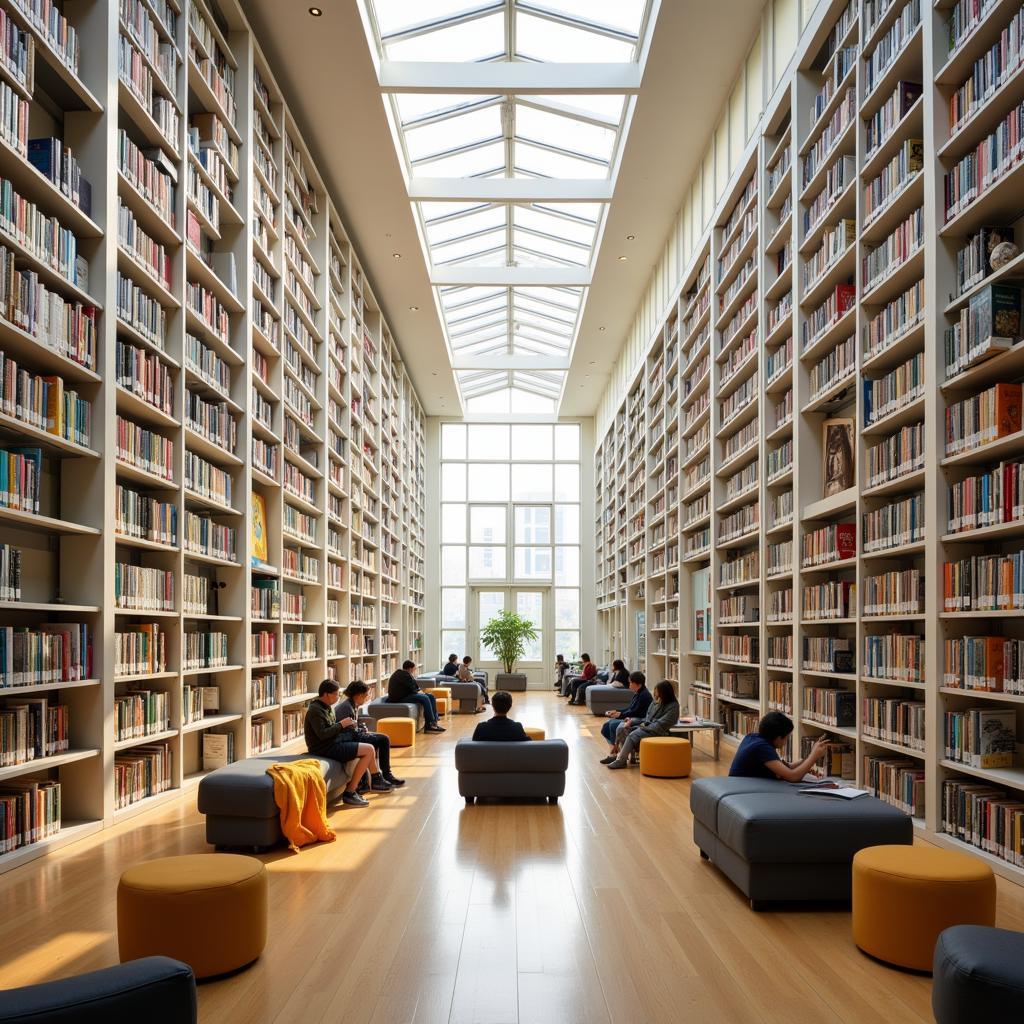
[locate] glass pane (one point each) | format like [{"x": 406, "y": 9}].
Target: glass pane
[
  {"x": 547, "y": 163},
  {"x": 564, "y": 132},
  {"x": 567, "y": 609},
  {"x": 543, "y": 221},
  {"x": 495, "y": 401},
  {"x": 531, "y": 482},
  {"x": 453, "y": 608},
  {"x": 393, "y": 15},
  {"x": 465, "y": 164},
  {"x": 488, "y": 482},
  {"x": 467, "y": 41},
  {"x": 488, "y": 441},
  {"x": 567, "y": 644},
  {"x": 626, "y": 15},
  {"x": 567, "y": 441},
  {"x": 487, "y": 524},
  {"x": 533, "y": 524},
  {"x": 452, "y": 641},
  {"x": 453, "y": 132},
  {"x": 453, "y": 441},
  {"x": 453, "y": 481},
  {"x": 567, "y": 566},
  {"x": 453, "y": 524},
  {"x": 489, "y": 604},
  {"x": 487, "y": 563},
  {"x": 533, "y": 563},
  {"x": 567, "y": 483},
  {"x": 531, "y": 441},
  {"x": 530, "y": 605},
  {"x": 567, "y": 523},
  {"x": 453, "y": 564},
  {"x": 607, "y": 107},
  {"x": 542, "y": 39}
]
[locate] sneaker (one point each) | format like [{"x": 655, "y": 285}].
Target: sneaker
[
  {"x": 434, "y": 728},
  {"x": 616, "y": 763},
  {"x": 608, "y": 759},
  {"x": 380, "y": 785},
  {"x": 363, "y": 786},
  {"x": 393, "y": 780},
  {"x": 353, "y": 799}
]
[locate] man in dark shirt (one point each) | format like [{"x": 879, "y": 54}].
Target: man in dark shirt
[
  {"x": 757, "y": 756},
  {"x": 633, "y": 713},
  {"x": 452, "y": 667},
  {"x": 327, "y": 737},
  {"x": 403, "y": 689},
  {"x": 500, "y": 727}
]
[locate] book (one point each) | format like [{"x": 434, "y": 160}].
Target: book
[
  {"x": 218, "y": 750},
  {"x": 841, "y": 793},
  {"x": 259, "y": 528},
  {"x": 838, "y": 448}
]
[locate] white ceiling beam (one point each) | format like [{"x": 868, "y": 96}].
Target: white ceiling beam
[
  {"x": 505, "y": 361},
  {"x": 515, "y": 277},
  {"x": 520, "y": 76},
  {"x": 510, "y": 190}
]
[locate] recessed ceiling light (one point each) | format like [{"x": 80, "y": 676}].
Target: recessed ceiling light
[
  {"x": 434, "y": 372},
  {"x": 396, "y": 255},
  {"x": 414, "y": 309},
  {"x": 622, "y": 259},
  {"x": 600, "y": 328},
  {"x": 316, "y": 11},
  {"x": 629, "y": 238}
]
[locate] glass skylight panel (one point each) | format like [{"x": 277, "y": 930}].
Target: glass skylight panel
[
  {"x": 472, "y": 39},
  {"x": 454, "y": 297},
  {"x": 551, "y": 129},
  {"x": 468, "y": 315},
  {"x": 464, "y": 164},
  {"x": 536, "y": 218},
  {"x": 547, "y": 163},
  {"x": 397, "y": 15},
  {"x": 456, "y": 132},
  {"x": 460, "y": 248},
  {"x": 482, "y": 218},
  {"x": 626, "y": 16},
  {"x": 551, "y": 317},
  {"x": 566, "y": 300},
  {"x": 553, "y": 41},
  {"x": 411, "y": 107}
]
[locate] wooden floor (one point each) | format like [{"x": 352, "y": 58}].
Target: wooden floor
[{"x": 596, "y": 910}]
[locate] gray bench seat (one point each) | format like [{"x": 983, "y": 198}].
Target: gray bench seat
[{"x": 532, "y": 769}]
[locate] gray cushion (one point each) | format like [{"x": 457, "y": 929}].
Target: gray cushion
[
  {"x": 786, "y": 827},
  {"x": 602, "y": 697},
  {"x": 496, "y": 757},
  {"x": 979, "y": 975},
  {"x": 706, "y": 794},
  {"x": 383, "y": 708},
  {"x": 244, "y": 789}
]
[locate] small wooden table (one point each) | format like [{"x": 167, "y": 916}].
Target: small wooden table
[{"x": 700, "y": 724}]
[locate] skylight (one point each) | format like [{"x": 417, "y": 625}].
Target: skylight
[{"x": 510, "y": 173}]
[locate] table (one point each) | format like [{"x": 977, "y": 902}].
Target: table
[{"x": 686, "y": 728}]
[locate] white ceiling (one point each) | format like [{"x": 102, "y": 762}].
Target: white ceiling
[{"x": 325, "y": 69}]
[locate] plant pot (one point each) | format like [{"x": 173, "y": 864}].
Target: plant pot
[{"x": 510, "y": 681}]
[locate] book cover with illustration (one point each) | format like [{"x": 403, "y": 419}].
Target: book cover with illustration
[
  {"x": 702, "y": 630},
  {"x": 259, "y": 528},
  {"x": 997, "y": 738}
]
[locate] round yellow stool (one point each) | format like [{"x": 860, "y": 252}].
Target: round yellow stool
[
  {"x": 401, "y": 731},
  {"x": 208, "y": 910},
  {"x": 665, "y": 757},
  {"x": 535, "y": 732},
  {"x": 442, "y": 705},
  {"x": 443, "y": 696},
  {"x": 904, "y": 896}
]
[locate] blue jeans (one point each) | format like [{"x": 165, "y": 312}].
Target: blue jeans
[
  {"x": 610, "y": 728},
  {"x": 425, "y": 701}
]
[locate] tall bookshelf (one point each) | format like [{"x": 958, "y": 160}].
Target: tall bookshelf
[
  {"x": 211, "y": 339},
  {"x": 846, "y": 252}
]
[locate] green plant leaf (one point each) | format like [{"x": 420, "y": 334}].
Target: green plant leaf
[{"x": 506, "y": 634}]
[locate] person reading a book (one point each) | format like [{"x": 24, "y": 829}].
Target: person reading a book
[
  {"x": 452, "y": 667},
  {"x": 403, "y": 689},
  {"x": 757, "y": 756},
  {"x": 619, "y": 723},
  {"x": 583, "y": 680},
  {"x": 325, "y": 737},
  {"x": 357, "y": 693},
  {"x": 662, "y": 714},
  {"x": 466, "y": 675},
  {"x": 500, "y": 727}
]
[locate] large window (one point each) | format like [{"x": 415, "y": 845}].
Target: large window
[{"x": 510, "y": 516}]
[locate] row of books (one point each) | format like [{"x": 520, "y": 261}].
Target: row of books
[
  {"x": 985, "y": 817},
  {"x": 43, "y": 402},
  {"x": 899, "y": 781},
  {"x": 889, "y": 46},
  {"x": 10, "y": 573},
  {"x": 144, "y": 518},
  {"x": 139, "y": 588},
  {"x": 832, "y": 543},
  {"x": 49, "y": 652},
  {"x": 828, "y": 654},
  {"x": 899, "y": 592},
  {"x": 983, "y": 418},
  {"x": 141, "y": 311},
  {"x": 894, "y": 657},
  {"x": 984, "y": 583},
  {"x": 780, "y": 652},
  {"x": 894, "y": 720},
  {"x": 981, "y": 737},
  {"x": 203, "y": 650},
  {"x": 32, "y": 728},
  {"x": 829, "y": 706},
  {"x": 29, "y": 812},
  {"x": 893, "y": 391},
  {"x": 833, "y": 599},
  {"x": 263, "y": 647},
  {"x": 142, "y": 772},
  {"x": 893, "y": 178},
  {"x": 203, "y": 536},
  {"x": 141, "y": 713},
  {"x": 897, "y": 455},
  {"x": 893, "y": 525},
  {"x": 205, "y": 479},
  {"x": 265, "y": 599},
  {"x": 994, "y": 664},
  {"x": 893, "y": 320},
  {"x": 143, "y": 448},
  {"x": 987, "y": 498},
  {"x": 738, "y": 647},
  {"x": 140, "y": 650}
]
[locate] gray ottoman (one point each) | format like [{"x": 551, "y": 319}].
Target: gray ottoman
[
  {"x": 238, "y": 799},
  {"x": 775, "y": 844},
  {"x": 532, "y": 769},
  {"x": 382, "y": 708},
  {"x": 978, "y": 975},
  {"x": 602, "y": 697}
]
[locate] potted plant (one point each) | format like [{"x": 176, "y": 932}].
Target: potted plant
[{"x": 506, "y": 635}]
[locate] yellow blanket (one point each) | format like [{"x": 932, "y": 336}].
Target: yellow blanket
[{"x": 301, "y": 796}]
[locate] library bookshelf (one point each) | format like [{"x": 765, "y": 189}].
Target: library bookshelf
[
  {"x": 213, "y": 457},
  {"x": 785, "y": 525}
]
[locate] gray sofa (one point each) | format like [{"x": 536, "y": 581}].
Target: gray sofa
[
  {"x": 238, "y": 799},
  {"x": 533, "y": 769},
  {"x": 775, "y": 844},
  {"x": 381, "y": 708},
  {"x": 156, "y": 990},
  {"x": 467, "y": 698},
  {"x": 978, "y": 975},
  {"x": 602, "y": 697}
]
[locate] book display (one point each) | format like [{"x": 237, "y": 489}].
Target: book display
[
  {"x": 211, "y": 442},
  {"x": 849, "y": 413}
]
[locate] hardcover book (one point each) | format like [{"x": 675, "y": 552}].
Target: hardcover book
[
  {"x": 837, "y": 445},
  {"x": 701, "y": 583},
  {"x": 259, "y": 528},
  {"x": 997, "y": 738}
]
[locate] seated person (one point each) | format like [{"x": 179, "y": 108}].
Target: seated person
[
  {"x": 403, "y": 689},
  {"x": 452, "y": 667},
  {"x": 620, "y": 722},
  {"x": 500, "y": 726},
  {"x": 561, "y": 667},
  {"x": 662, "y": 714},
  {"x": 620, "y": 674},
  {"x": 757, "y": 756},
  {"x": 327, "y": 737},
  {"x": 466, "y": 675},
  {"x": 584, "y": 679},
  {"x": 357, "y": 693}
]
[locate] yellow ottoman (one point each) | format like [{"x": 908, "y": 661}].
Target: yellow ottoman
[
  {"x": 904, "y": 896},
  {"x": 401, "y": 731},
  {"x": 443, "y": 696},
  {"x": 665, "y": 757},
  {"x": 208, "y": 910},
  {"x": 535, "y": 732},
  {"x": 442, "y": 705}
]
